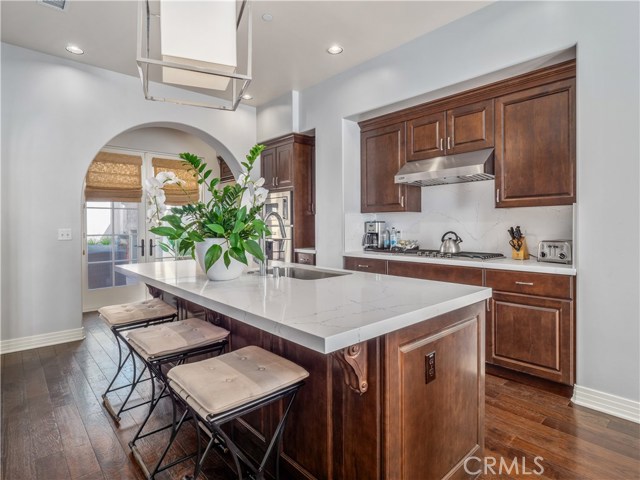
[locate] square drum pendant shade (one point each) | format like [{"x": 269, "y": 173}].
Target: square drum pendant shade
[{"x": 193, "y": 46}]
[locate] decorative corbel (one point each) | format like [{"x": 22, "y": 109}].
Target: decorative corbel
[{"x": 353, "y": 361}]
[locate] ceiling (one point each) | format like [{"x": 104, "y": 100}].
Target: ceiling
[{"x": 289, "y": 52}]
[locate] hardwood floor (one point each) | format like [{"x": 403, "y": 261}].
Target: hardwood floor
[{"x": 55, "y": 427}]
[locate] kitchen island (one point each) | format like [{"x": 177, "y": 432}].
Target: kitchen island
[{"x": 396, "y": 386}]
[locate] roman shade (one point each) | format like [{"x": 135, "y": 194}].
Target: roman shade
[
  {"x": 114, "y": 177},
  {"x": 177, "y": 194}
]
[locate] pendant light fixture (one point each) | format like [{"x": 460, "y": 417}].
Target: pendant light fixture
[{"x": 196, "y": 47}]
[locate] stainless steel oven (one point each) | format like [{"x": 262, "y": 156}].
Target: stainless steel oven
[{"x": 279, "y": 246}]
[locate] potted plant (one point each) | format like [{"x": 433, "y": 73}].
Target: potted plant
[{"x": 219, "y": 232}]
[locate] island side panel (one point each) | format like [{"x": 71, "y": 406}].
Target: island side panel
[{"x": 431, "y": 428}]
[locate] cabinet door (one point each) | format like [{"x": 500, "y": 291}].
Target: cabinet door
[
  {"x": 284, "y": 166},
  {"x": 533, "y": 335},
  {"x": 365, "y": 265},
  {"x": 535, "y": 146},
  {"x": 268, "y": 158},
  {"x": 425, "y": 137},
  {"x": 383, "y": 153},
  {"x": 470, "y": 127}
]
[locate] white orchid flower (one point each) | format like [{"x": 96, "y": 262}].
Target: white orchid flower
[
  {"x": 242, "y": 178},
  {"x": 152, "y": 184},
  {"x": 261, "y": 195},
  {"x": 259, "y": 182}
]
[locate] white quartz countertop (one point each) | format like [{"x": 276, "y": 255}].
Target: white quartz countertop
[
  {"x": 324, "y": 315},
  {"x": 531, "y": 265}
]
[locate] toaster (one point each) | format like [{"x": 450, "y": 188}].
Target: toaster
[{"x": 556, "y": 251}]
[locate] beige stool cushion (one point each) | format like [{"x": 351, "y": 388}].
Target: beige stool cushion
[
  {"x": 218, "y": 384},
  {"x": 136, "y": 312},
  {"x": 174, "y": 337}
]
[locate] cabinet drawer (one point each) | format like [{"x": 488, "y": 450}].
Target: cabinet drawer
[
  {"x": 365, "y": 265},
  {"x": 441, "y": 273},
  {"x": 540, "y": 284}
]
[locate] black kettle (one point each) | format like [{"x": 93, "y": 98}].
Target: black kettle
[{"x": 450, "y": 245}]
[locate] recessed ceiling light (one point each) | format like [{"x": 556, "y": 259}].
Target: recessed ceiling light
[
  {"x": 246, "y": 96},
  {"x": 76, "y": 50},
  {"x": 267, "y": 17},
  {"x": 335, "y": 49}
]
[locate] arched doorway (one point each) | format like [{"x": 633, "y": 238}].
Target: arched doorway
[{"x": 115, "y": 230}]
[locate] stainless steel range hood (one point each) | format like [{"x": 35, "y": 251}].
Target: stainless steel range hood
[{"x": 463, "y": 167}]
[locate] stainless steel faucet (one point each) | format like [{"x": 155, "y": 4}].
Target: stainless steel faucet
[{"x": 264, "y": 266}]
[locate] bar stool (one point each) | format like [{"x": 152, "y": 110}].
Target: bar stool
[
  {"x": 218, "y": 390},
  {"x": 122, "y": 318},
  {"x": 168, "y": 345}
]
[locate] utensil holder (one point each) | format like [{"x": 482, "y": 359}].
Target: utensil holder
[{"x": 523, "y": 253}]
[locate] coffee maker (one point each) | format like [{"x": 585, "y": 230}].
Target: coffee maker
[{"x": 372, "y": 237}]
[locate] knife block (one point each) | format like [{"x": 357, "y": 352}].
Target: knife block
[{"x": 523, "y": 253}]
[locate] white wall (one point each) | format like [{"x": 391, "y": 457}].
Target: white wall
[
  {"x": 278, "y": 117},
  {"x": 56, "y": 115},
  {"x": 500, "y": 36}
]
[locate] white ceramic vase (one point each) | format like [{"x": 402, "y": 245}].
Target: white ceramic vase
[{"x": 218, "y": 270}]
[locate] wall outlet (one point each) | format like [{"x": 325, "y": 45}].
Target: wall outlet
[
  {"x": 64, "y": 234},
  {"x": 430, "y": 367}
]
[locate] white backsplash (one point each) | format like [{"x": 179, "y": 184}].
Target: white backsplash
[{"x": 468, "y": 209}]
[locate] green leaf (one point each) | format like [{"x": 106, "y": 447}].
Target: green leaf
[
  {"x": 174, "y": 220},
  {"x": 238, "y": 254},
  {"x": 234, "y": 240},
  {"x": 253, "y": 248},
  {"x": 227, "y": 260},
  {"x": 215, "y": 228},
  {"x": 212, "y": 256},
  {"x": 239, "y": 226},
  {"x": 163, "y": 231}
]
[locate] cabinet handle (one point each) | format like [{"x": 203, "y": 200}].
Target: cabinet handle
[
  {"x": 402, "y": 201},
  {"x": 488, "y": 304},
  {"x": 277, "y": 181},
  {"x": 525, "y": 283},
  {"x": 497, "y": 195},
  {"x": 363, "y": 266},
  {"x": 448, "y": 143},
  {"x": 441, "y": 143}
]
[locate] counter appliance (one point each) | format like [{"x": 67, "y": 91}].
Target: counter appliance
[
  {"x": 279, "y": 246},
  {"x": 555, "y": 251},
  {"x": 372, "y": 237}
]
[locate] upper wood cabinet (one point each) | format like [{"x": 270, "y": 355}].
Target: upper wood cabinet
[
  {"x": 535, "y": 146},
  {"x": 278, "y": 166},
  {"x": 288, "y": 164},
  {"x": 382, "y": 153},
  {"x": 458, "y": 130},
  {"x": 226, "y": 175}
]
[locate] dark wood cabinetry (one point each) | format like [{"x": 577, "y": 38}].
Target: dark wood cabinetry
[
  {"x": 226, "y": 175},
  {"x": 368, "y": 265},
  {"x": 535, "y": 146},
  {"x": 531, "y": 327},
  {"x": 531, "y": 324},
  {"x": 382, "y": 153},
  {"x": 530, "y": 119},
  {"x": 431, "y": 271},
  {"x": 458, "y": 130},
  {"x": 288, "y": 164}
]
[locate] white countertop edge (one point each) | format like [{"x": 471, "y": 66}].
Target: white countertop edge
[
  {"x": 495, "y": 264},
  {"x": 321, "y": 344}
]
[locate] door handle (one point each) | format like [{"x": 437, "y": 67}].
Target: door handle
[
  {"x": 151, "y": 247},
  {"x": 141, "y": 247}
]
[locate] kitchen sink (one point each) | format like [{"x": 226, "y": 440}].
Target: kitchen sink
[{"x": 306, "y": 274}]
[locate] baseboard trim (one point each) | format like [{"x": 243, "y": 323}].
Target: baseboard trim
[
  {"x": 607, "y": 403},
  {"x": 44, "y": 340}
]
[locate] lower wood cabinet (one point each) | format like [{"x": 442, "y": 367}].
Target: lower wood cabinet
[
  {"x": 370, "y": 265},
  {"x": 531, "y": 326},
  {"x": 440, "y": 273},
  {"x": 531, "y": 323}
]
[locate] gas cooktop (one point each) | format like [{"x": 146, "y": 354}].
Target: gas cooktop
[{"x": 436, "y": 253}]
